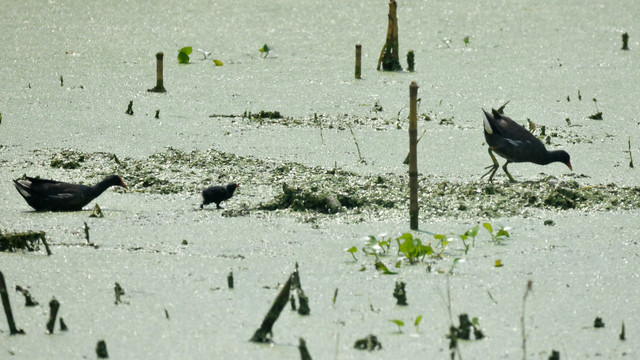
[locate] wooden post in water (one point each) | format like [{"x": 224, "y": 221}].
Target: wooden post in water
[
  {"x": 358, "y": 60},
  {"x": 159, "y": 80},
  {"x": 413, "y": 157}
]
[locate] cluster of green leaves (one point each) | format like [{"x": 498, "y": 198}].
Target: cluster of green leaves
[
  {"x": 409, "y": 247},
  {"x": 400, "y": 323},
  {"x": 500, "y": 235},
  {"x": 183, "y": 56},
  {"x": 415, "y": 251}
]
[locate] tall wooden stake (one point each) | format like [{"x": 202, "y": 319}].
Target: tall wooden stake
[
  {"x": 358, "y": 60},
  {"x": 413, "y": 156}
]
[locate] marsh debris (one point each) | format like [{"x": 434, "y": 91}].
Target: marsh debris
[
  {"x": 67, "y": 159},
  {"x": 370, "y": 343},
  {"x": 301, "y": 199},
  {"x": 303, "y": 309},
  {"x": 598, "y": 323},
  {"x": 63, "y": 325},
  {"x": 29, "y": 301},
  {"x": 555, "y": 355},
  {"x": 625, "y": 41},
  {"x": 27, "y": 240},
  {"x": 304, "y": 353},
  {"x": 463, "y": 331},
  {"x": 96, "y": 213},
  {"x": 264, "y": 334},
  {"x": 119, "y": 291},
  {"x": 400, "y": 294},
  {"x": 54, "y": 306},
  {"x": 101, "y": 350},
  {"x": 292, "y": 300},
  {"x": 230, "y": 280},
  {"x": 355, "y": 196},
  {"x": 129, "y": 110}
]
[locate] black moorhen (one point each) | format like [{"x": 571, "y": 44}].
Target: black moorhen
[
  {"x": 218, "y": 194},
  {"x": 49, "y": 195},
  {"x": 513, "y": 142}
]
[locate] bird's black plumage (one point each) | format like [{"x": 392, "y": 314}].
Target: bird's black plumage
[
  {"x": 218, "y": 194},
  {"x": 513, "y": 142},
  {"x": 50, "y": 195}
]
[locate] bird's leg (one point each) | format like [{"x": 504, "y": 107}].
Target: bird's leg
[
  {"x": 493, "y": 167},
  {"x": 218, "y": 206},
  {"x": 504, "y": 167}
]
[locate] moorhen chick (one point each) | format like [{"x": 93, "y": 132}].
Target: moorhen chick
[
  {"x": 513, "y": 142},
  {"x": 50, "y": 195},
  {"x": 218, "y": 194}
]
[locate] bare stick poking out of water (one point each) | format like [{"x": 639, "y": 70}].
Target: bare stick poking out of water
[
  {"x": 356, "y": 141},
  {"x": 358, "y": 61},
  {"x": 7, "y": 307},
  {"x": 524, "y": 335},
  {"x": 230, "y": 280},
  {"x": 413, "y": 156},
  {"x": 264, "y": 333}
]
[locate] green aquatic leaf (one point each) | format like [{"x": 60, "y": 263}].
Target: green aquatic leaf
[
  {"x": 183, "y": 54},
  {"x": 488, "y": 227},
  {"x": 217, "y": 62},
  {"x": 502, "y": 232},
  {"x": 385, "y": 270},
  {"x": 352, "y": 250},
  {"x": 183, "y": 58},
  {"x": 417, "y": 322}
]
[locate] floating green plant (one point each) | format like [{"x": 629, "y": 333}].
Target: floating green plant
[
  {"x": 264, "y": 50},
  {"x": 380, "y": 266},
  {"x": 353, "y": 250},
  {"x": 499, "y": 236},
  {"x": 183, "y": 54},
  {"x": 412, "y": 248},
  {"x": 416, "y": 323},
  {"x": 399, "y": 323}
]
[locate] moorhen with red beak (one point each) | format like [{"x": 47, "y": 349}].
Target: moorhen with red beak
[
  {"x": 50, "y": 195},
  {"x": 218, "y": 194},
  {"x": 513, "y": 142}
]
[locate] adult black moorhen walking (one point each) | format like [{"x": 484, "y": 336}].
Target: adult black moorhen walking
[
  {"x": 50, "y": 195},
  {"x": 218, "y": 194},
  {"x": 513, "y": 142}
]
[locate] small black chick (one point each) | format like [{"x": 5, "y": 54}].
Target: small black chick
[{"x": 218, "y": 194}]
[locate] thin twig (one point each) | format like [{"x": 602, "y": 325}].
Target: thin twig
[
  {"x": 524, "y": 336},
  {"x": 356, "y": 141}
]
